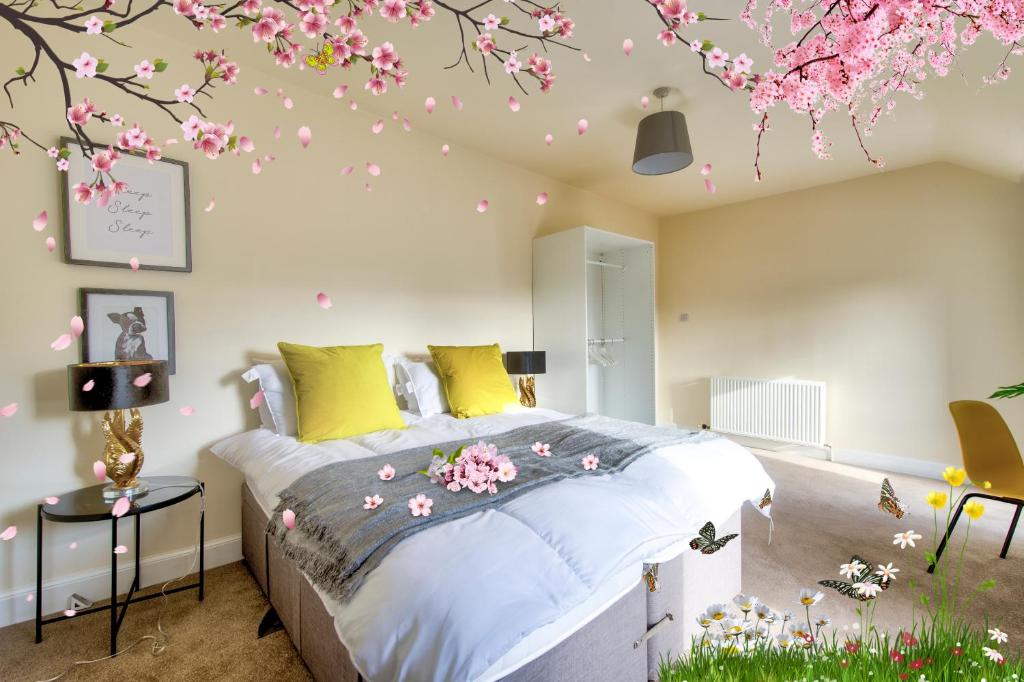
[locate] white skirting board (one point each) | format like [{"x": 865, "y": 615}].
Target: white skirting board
[
  {"x": 910, "y": 466},
  {"x": 95, "y": 585}
]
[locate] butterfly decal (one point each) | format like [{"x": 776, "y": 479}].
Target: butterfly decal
[
  {"x": 321, "y": 59},
  {"x": 706, "y": 543},
  {"x": 651, "y": 578},
  {"x": 766, "y": 500},
  {"x": 889, "y": 502},
  {"x": 866, "y": 575}
]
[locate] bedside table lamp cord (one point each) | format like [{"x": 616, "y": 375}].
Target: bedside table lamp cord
[{"x": 162, "y": 640}]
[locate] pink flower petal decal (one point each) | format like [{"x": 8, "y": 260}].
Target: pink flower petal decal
[
  {"x": 482, "y": 206},
  {"x": 542, "y": 198},
  {"x": 549, "y": 139},
  {"x": 51, "y": 244},
  {"x": 372, "y": 502},
  {"x": 288, "y": 103},
  {"x": 277, "y": 132},
  {"x": 142, "y": 380},
  {"x": 367, "y": 187},
  {"x": 406, "y": 125},
  {"x": 582, "y": 125},
  {"x": 347, "y": 170},
  {"x": 269, "y": 158},
  {"x": 378, "y": 127},
  {"x": 51, "y": 500},
  {"x": 457, "y": 103},
  {"x": 210, "y": 206},
  {"x": 61, "y": 342},
  {"x": 9, "y": 533},
  {"x": 513, "y": 103},
  {"x": 39, "y": 222},
  {"x": 69, "y": 612},
  {"x": 627, "y": 46},
  {"x": 89, "y": 385},
  {"x": 133, "y": 263},
  {"x": 99, "y": 470},
  {"x": 73, "y": 545},
  {"x": 77, "y": 326},
  {"x": 288, "y": 517},
  {"x": 260, "y": 91},
  {"x": 386, "y": 472},
  {"x": 645, "y": 102},
  {"x": 710, "y": 186},
  {"x": 373, "y": 169},
  {"x": 257, "y": 167},
  {"x": 120, "y": 549},
  {"x": 420, "y": 505},
  {"x": 29, "y": 597},
  {"x": 126, "y": 458},
  {"x": 256, "y": 400},
  {"x": 246, "y": 144},
  {"x": 186, "y": 411},
  {"x": 590, "y": 462},
  {"x": 340, "y": 91},
  {"x": 705, "y": 169},
  {"x": 430, "y": 104},
  {"x": 586, "y": 57},
  {"x": 305, "y": 136},
  {"x": 353, "y": 105},
  {"x": 8, "y": 410},
  {"x": 323, "y": 300},
  {"x": 120, "y": 507},
  {"x": 445, "y": 149}
]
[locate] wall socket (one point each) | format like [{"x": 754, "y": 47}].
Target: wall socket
[{"x": 684, "y": 317}]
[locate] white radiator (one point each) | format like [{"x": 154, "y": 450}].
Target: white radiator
[{"x": 786, "y": 410}]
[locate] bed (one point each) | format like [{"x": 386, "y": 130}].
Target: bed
[{"x": 589, "y": 578}]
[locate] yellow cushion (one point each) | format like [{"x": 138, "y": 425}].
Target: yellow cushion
[
  {"x": 474, "y": 379},
  {"x": 341, "y": 391}
]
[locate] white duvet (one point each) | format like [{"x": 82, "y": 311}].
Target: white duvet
[{"x": 478, "y": 597}]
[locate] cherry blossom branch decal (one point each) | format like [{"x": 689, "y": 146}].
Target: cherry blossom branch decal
[
  {"x": 852, "y": 56},
  {"x": 321, "y": 34}
]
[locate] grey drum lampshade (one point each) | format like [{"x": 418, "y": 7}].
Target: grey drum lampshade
[
  {"x": 526, "y": 362},
  {"x": 113, "y": 385},
  {"x": 662, "y": 144}
]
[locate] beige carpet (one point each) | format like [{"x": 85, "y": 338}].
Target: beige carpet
[{"x": 823, "y": 514}]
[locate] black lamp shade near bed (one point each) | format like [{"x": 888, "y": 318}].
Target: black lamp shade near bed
[
  {"x": 116, "y": 387},
  {"x": 526, "y": 362},
  {"x": 113, "y": 386}
]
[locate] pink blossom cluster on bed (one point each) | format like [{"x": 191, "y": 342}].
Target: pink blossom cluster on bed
[{"x": 478, "y": 467}]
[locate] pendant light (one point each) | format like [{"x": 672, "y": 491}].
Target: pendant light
[{"x": 662, "y": 141}]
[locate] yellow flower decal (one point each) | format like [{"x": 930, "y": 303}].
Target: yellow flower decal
[
  {"x": 987, "y": 485},
  {"x": 955, "y": 477},
  {"x": 974, "y": 509},
  {"x": 936, "y": 499}
]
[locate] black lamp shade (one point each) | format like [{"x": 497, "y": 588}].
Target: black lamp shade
[
  {"x": 113, "y": 386},
  {"x": 526, "y": 362},
  {"x": 662, "y": 144}
]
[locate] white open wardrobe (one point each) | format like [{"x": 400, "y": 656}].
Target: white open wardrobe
[{"x": 593, "y": 312}]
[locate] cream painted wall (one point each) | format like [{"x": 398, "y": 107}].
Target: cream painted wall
[
  {"x": 408, "y": 264},
  {"x": 903, "y": 291}
]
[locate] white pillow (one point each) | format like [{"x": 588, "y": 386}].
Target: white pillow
[
  {"x": 277, "y": 411},
  {"x": 421, "y": 386}
]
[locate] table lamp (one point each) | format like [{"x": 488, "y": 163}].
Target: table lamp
[
  {"x": 526, "y": 364},
  {"x": 115, "y": 387}
]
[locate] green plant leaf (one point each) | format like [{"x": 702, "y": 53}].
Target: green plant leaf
[
  {"x": 424, "y": 472},
  {"x": 20, "y": 71},
  {"x": 109, "y": 26},
  {"x": 102, "y": 66},
  {"x": 707, "y": 46},
  {"x": 930, "y": 557},
  {"x": 159, "y": 65},
  {"x": 1008, "y": 392},
  {"x": 986, "y": 585},
  {"x": 701, "y": 16},
  {"x": 924, "y": 599},
  {"x": 65, "y": 152}
]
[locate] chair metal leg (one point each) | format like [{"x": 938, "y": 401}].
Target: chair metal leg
[
  {"x": 1009, "y": 534},
  {"x": 949, "y": 532}
]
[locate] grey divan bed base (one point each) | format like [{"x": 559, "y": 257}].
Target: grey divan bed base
[{"x": 623, "y": 644}]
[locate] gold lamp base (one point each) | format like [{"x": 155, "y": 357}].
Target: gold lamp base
[
  {"x": 123, "y": 454},
  {"x": 527, "y": 391}
]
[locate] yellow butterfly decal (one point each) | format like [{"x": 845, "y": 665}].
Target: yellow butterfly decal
[{"x": 321, "y": 59}]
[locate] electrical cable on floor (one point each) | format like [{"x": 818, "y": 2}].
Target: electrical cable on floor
[{"x": 161, "y": 641}]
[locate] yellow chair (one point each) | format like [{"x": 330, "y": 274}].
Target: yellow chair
[{"x": 990, "y": 454}]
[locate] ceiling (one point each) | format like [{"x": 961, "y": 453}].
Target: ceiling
[{"x": 960, "y": 120}]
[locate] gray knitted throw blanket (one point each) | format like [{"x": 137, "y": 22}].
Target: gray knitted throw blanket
[{"x": 337, "y": 543}]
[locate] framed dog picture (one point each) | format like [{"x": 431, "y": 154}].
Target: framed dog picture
[
  {"x": 122, "y": 324},
  {"x": 149, "y": 221}
]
